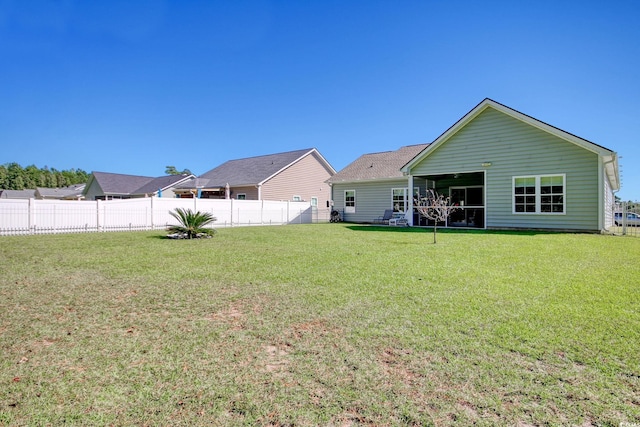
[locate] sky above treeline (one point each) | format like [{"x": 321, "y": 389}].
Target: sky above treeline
[{"x": 133, "y": 86}]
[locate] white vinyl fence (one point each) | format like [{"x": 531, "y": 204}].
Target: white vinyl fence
[
  {"x": 626, "y": 217},
  {"x": 20, "y": 216}
]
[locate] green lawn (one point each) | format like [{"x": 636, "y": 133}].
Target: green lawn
[{"x": 326, "y": 324}]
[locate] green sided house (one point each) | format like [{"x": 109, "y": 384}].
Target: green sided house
[{"x": 504, "y": 169}]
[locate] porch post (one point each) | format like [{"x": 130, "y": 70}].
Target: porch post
[{"x": 410, "y": 204}]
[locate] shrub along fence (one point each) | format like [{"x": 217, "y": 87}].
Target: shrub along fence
[{"x": 21, "y": 216}]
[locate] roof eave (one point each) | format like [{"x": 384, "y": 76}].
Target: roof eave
[
  {"x": 612, "y": 169},
  {"x": 355, "y": 181}
]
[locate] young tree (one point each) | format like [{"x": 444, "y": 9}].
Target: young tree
[{"x": 435, "y": 207}]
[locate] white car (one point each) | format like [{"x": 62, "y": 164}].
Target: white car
[{"x": 632, "y": 219}]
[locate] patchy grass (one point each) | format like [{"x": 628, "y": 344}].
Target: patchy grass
[{"x": 327, "y": 324}]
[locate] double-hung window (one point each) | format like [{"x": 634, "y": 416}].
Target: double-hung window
[
  {"x": 539, "y": 194},
  {"x": 350, "y": 201},
  {"x": 399, "y": 199}
]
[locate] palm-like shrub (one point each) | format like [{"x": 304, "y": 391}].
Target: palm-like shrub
[{"x": 192, "y": 224}]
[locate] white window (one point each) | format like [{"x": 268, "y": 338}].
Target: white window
[
  {"x": 242, "y": 196},
  {"x": 539, "y": 194},
  {"x": 314, "y": 202},
  {"x": 297, "y": 198},
  {"x": 399, "y": 199},
  {"x": 350, "y": 201}
]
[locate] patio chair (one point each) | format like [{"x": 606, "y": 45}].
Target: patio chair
[
  {"x": 398, "y": 218},
  {"x": 384, "y": 219}
]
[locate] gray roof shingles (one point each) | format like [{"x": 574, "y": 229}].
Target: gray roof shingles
[
  {"x": 17, "y": 194},
  {"x": 115, "y": 183},
  {"x": 72, "y": 190},
  {"x": 161, "y": 182},
  {"x": 378, "y": 165},
  {"x": 249, "y": 171}
]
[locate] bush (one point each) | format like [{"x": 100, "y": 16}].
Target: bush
[{"x": 192, "y": 224}]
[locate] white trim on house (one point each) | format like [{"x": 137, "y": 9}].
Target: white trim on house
[
  {"x": 405, "y": 198},
  {"x": 350, "y": 209},
  {"x": 356, "y": 181},
  {"x": 538, "y": 194}
]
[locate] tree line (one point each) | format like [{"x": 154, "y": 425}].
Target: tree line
[{"x": 15, "y": 177}]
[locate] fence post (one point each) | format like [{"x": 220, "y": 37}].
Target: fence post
[
  {"x": 624, "y": 218},
  {"x": 288, "y": 210},
  {"x": 151, "y": 212},
  {"x": 98, "y": 224},
  {"x": 231, "y": 214},
  {"x": 32, "y": 215}
]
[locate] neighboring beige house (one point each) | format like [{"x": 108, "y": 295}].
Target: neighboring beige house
[
  {"x": 108, "y": 186},
  {"x": 295, "y": 176}
]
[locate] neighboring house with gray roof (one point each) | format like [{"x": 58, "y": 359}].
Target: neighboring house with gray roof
[
  {"x": 17, "y": 194},
  {"x": 298, "y": 175},
  {"x": 376, "y": 182},
  {"x": 108, "y": 186},
  {"x": 505, "y": 169},
  {"x": 72, "y": 192}
]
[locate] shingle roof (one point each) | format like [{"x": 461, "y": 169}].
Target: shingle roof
[
  {"x": 115, "y": 183},
  {"x": 196, "y": 183},
  {"x": 59, "y": 193},
  {"x": 251, "y": 170},
  {"x": 161, "y": 182},
  {"x": 378, "y": 165},
  {"x": 17, "y": 194}
]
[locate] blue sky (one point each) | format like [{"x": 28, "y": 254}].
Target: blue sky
[{"x": 133, "y": 86}]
